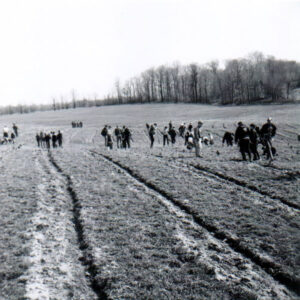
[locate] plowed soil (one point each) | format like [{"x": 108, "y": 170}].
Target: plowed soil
[{"x": 86, "y": 222}]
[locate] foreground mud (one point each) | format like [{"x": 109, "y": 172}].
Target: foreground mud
[
  {"x": 41, "y": 257},
  {"x": 144, "y": 245}
]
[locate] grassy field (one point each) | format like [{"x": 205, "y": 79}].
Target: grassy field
[{"x": 85, "y": 222}]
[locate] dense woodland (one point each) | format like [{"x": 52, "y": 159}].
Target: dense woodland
[{"x": 254, "y": 79}]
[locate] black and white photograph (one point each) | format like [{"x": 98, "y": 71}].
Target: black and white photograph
[{"x": 149, "y": 149}]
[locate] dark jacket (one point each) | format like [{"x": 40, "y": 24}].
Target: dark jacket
[
  {"x": 242, "y": 132},
  {"x": 253, "y": 136},
  {"x": 268, "y": 129}
]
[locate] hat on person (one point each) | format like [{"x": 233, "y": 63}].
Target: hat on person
[
  {"x": 269, "y": 119},
  {"x": 200, "y": 122},
  {"x": 240, "y": 123}
]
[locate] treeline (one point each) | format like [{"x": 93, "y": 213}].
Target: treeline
[
  {"x": 254, "y": 79},
  {"x": 55, "y": 105},
  {"x": 240, "y": 81}
]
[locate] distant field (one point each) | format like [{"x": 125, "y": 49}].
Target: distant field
[{"x": 85, "y": 222}]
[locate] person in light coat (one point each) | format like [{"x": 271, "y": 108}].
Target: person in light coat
[{"x": 197, "y": 138}]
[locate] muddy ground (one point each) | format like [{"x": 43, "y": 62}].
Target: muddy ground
[{"x": 85, "y": 222}]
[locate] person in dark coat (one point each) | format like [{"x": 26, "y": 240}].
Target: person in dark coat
[
  {"x": 268, "y": 129},
  {"x": 267, "y": 134},
  {"x": 118, "y": 134},
  {"x": 126, "y": 137},
  {"x": 59, "y": 138},
  {"x": 47, "y": 140},
  {"x": 43, "y": 139},
  {"x": 152, "y": 132},
  {"x": 54, "y": 139},
  {"x": 181, "y": 130},
  {"x": 15, "y": 129},
  {"x": 253, "y": 141},
  {"x": 172, "y": 134},
  {"x": 38, "y": 139},
  {"x": 104, "y": 134},
  {"x": 243, "y": 139},
  {"x": 228, "y": 138},
  {"x": 12, "y": 137}
]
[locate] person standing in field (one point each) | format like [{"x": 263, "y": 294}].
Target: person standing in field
[
  {"x": 267, "y": 134},
  {"x": 197, "y": 138},
  {"x": 268, "y": 129},
  {"x": 126, "y": 137},
  {"x": 253, "y": 141},
  {"x": 59, "y": 138},
  {"x": 181, "y": 129},
  {"x": 47, "y": 140},
  {"x": 165, "y": 136},
  {"x": 118, "y": 135},
  {"x": 43, "y": 139},
  {"x": 172, "y": 134},
  {"x": 12, "y": 137},
  {"x": 104, "y": 134},
  {"x": 242, "y": 138},
  {"x": 54, "y": 139},
  {"x": 5, "y": 132},
  {"x": 38, "y": 139},
  {"x": 152, "y": 132},
  {"x": 109, "y": 137},
  {"x": 15, "y": 129}
]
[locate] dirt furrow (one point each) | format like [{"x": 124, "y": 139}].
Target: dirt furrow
[
  {"x": 285, "y": 172},
  {"x": 268, "y": 265},
  {"x": 87, "y": 256},
  {"x": 197, "y": 168},
  {"x": 55, "y": 271},
  {"x": 246, "y": 185},
  {"x": 216, "y": 256}
]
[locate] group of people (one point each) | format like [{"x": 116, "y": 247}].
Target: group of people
[
  {"x": 121, "y": 135},
  {"x": 192, "y": 135},
  {"x": 248, "y": 139},
  {"x": 168, "y": 133},
  {"x": 48, "y": 139},
  {"x": 77, "y": 124},
  {"x": 9, "y": 135}
]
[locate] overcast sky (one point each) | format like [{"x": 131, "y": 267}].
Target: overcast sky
[{"x": 49, "y": 47}]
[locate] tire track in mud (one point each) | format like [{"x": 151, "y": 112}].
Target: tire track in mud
[
  {"x": 196, "y": 169},
  {"x": 283, "y": 170},
  {"x": 55, "y": 271},
  {"x": 246, "y": 185},
  {"x": 270, "y": 267},
  {"x": 87, "y": 257},
  {"x": 217, "y": 175}
]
